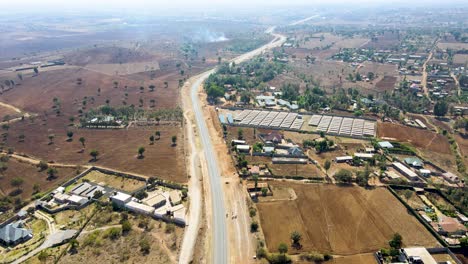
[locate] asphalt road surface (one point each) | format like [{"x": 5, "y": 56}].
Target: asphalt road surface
[{"x": 220, "y": 240}]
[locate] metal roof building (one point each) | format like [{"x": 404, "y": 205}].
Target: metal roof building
[{"x": 14, "y": 233}]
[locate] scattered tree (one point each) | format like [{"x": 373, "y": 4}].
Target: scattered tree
[
  {"x": 174, "y": 140},
  {"x": 253, "y": 226},
  {"x": 296, "y": 238},
  {"x": 327, "y": 165},
  {"x": 441, "y": 108},
  {"x": 51, "y": 139},
  {"x": 141, "y": 150},
  {"x": 397, "y": 241},
  {"x": 82, "y": 141},
  {"x": 17, "y": 182},
  {"x": 283, "y": 248},
  {"x": 344, "y": 176},
  {"x": 94, "y": 153},
  {"x": 70, "y": 135},
  {"x": 52, "y": 173}
]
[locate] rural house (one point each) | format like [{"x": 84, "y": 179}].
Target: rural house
[{"x": 14, "y": 233}]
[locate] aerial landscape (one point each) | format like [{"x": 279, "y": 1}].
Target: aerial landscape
[{"x": 234, "y": 131}]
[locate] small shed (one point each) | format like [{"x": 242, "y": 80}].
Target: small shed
[
  {"x": 243, "y": 148},
  {"x": 343, "y": 159},
  {"x": 414, "y": 162},
  {"x": 385, "y": 145}
]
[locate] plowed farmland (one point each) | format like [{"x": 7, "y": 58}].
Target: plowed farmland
[
  {"x": 420, "y": 138},
  {"x": 340, "y": 220}
]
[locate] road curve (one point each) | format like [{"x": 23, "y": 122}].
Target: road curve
[{"x": 220, "y": 241}]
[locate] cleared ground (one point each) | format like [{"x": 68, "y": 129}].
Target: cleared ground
[
  {"x": 340, "y": 220},
  {"x": 117, "y": 148},
  {"x": 420, "y": 138},
  {"x": 31, "y": 176},
  {"x": 121, "y": 183},
  {"x": 7, "y": 114}
]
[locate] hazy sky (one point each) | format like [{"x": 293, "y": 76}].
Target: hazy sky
[{"x": 141, "y": 4}]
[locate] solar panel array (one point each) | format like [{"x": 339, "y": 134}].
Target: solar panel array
[
  {"x": 346, "y": 126},
  {"x": 343, "y": 125},
  {"x": 242, "y": 115},
  {"x": 269, "y": 119}
]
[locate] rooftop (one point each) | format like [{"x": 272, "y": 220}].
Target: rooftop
[
  {"x": 14, "y": 232},
  {"x": 385, "y": 144},
  {"x": 120, "y": 196},
  {"x": 420, "y": 252}
]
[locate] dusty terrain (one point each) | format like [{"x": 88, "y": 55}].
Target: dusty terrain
[
  {"x": 31, "y": 176},
  {"x": 340, "y": 220},
  {"x": 420, "y": 138},
  {"x": 117, "y": 148}
]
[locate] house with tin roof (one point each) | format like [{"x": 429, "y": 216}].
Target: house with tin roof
[{"x": 14, "y": 234}]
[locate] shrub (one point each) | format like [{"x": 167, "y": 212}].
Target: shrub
[
  {"x": 113, "y": 233},
  {"x": 254, "y": 227},
  {"x": 126, "y": 226},
  {"x": 261, "y": 252},
  {"x": 145, "y": 246},
  {"x": 170, "y": 228},
  {"x": 276, "y": 258},
  {"x": 312, "y": 257},
  {"x": 252, "y": 212}
]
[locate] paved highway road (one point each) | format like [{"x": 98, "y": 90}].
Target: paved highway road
[{"x": 220, "y": 240}]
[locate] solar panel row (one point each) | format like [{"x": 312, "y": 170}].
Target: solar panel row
[
  {"x": 343, "y": 125},
  {"x": 269, "y": 119}
]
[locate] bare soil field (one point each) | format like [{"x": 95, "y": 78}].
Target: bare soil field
[
  {"x": 340, "y": 220},
  {"x": 389, "y": 40},
  {"x": 387, "y": 83},
  {"x": 461, "y": 59},
  {"x": 31, "y": 177},
  {"x": 124, "y": 69},
  {"x": 414, "y": 201},
  {"x": 35, "y": 94},
  {"x": 121, "y": 183},
  {"x": 356, "y": 259},
  {"x": 420, "y": 138},
  {"x": 117, "y": 147},
  {"x": 7, "y": 113},
  {"x": 304, "y": 170},
  {"x": 452, "y": 45},
  {"x": 107, "y": 55}
]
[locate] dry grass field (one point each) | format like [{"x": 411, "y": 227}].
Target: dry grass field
[
  {"x": 357, "y": 259},
  {"x": 452, "y": 45},
  {"x": 389, "y": 40},
  {"x": 305, "y": 170},
  {"x": 35, "y": 94},
  {"x": 7, "y": 113},
  {"x": 419, "y": 138},
  {"x": 340, "y": 220},
  {"x": 121, "y": 183},
  {"x": 387, "y": 83},
  {"x": 117, "y": 147},
  {"x": 31, "y": 177},
  {"x": 461, "y": 59}
]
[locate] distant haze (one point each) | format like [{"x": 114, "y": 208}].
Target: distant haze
[{"x": 155, "y": 5}]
